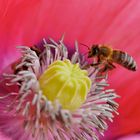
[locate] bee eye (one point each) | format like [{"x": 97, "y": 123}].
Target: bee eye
[{"x": 95, "y": 50}]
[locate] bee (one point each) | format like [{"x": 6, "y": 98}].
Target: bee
[{"x": 109, "y": 56}]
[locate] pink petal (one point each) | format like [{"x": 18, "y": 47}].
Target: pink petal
[
  {"x": 131, "y": 137},
  {"x": 3, "y": 137},
  {"x": 111, "y": 22}
]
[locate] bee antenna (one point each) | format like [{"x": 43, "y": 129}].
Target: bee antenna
[{"x": 85, "y": 45}]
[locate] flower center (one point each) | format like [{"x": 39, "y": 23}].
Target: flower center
[{"x": 65, "y": 82}]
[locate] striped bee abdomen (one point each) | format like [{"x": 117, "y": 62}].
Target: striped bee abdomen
[{"x": 124, "y": 59}]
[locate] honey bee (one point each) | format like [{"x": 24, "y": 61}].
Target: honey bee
[{"x": 109, "y": 55}]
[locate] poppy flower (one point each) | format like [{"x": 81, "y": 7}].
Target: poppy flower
[
  {"x": 114, "y": 22},
  {"x": 55, "y": 96}
]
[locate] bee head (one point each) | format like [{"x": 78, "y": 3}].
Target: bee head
[{"x": 94, "y": 51}]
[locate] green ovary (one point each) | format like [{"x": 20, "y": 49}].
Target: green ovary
[{"x": 65, "y": 82}]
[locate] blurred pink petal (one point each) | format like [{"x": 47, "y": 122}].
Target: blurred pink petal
[
  {"x": 99, "y": 21},
  {"x": 3, "y": 137},
  {"x": 131, "y": 137}
]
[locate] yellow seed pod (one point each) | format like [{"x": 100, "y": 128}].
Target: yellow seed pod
[{"x": 65, "y": 82}]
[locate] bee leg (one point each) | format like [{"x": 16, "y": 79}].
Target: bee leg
[
  {"x": 98, "y": 62},
  {"x": 104, "y": 69},
  {"x": 86, "y": 66},
  {"x": 95, "y": 64},
  {"x": 111, "y": 66},
  {"x": 92, "y": 64},
  {"x": 108, "y": 66}
]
